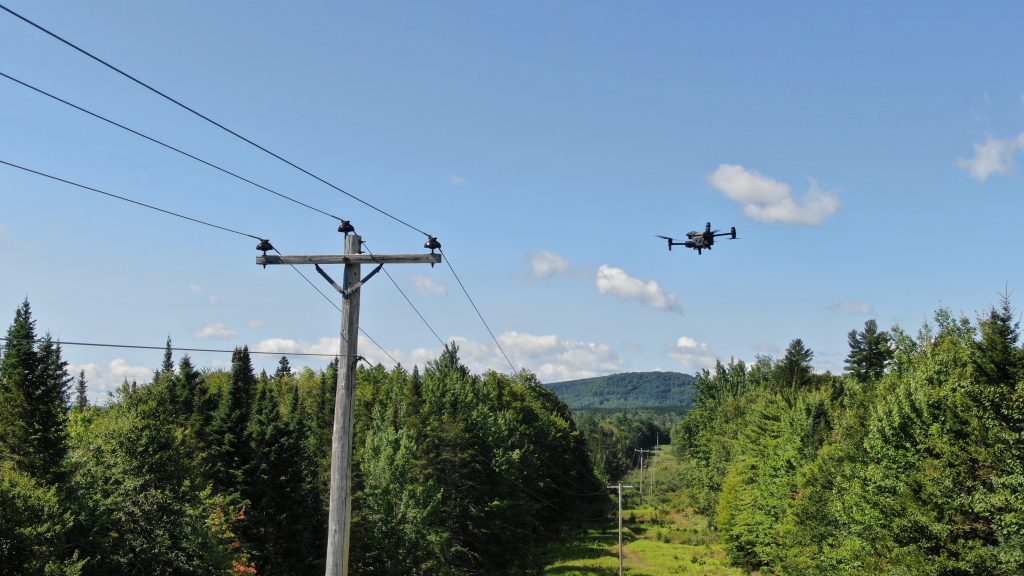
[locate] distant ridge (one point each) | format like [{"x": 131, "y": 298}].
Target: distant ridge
[{"x": 627, "y": 390}]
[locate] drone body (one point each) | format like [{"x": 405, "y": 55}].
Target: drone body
[{"x": 700, "y": 241}]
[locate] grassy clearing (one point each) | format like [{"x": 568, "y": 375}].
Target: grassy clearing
[{"x": 663, "y": 537}]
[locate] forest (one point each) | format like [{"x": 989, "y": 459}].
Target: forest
[
  {"x": 226, "y": 472},
  {"x": 909, "y": 463}
]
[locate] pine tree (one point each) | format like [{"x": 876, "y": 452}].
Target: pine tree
[
  {"x": 793, "y": 372},
  {"x": 81, "y": 401},
  {"x": 870, "y": 352}
]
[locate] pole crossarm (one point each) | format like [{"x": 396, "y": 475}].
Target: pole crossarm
[{"x": 352, "y": 259}]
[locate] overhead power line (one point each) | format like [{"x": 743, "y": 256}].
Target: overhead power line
[
  {"x": 190, "y": 219},
  {"x": 174, "y": 348},
  {"x": 479, "y": 315},
  {"x": 168, "y": 146},
  {"x": 205, "y": 117},
  {"x": 261, "y": 148},
  {"x": 136, "y": 202},
  {"x": 402, "y": 292}
]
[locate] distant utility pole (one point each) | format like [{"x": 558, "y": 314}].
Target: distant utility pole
[
  {"x": 642, "y": 451},
  {"x": 619, "y": 487},
  {"x": 340, "y": 507}
]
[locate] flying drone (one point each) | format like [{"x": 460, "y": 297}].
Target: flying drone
[{"x": 700, "y": 240}]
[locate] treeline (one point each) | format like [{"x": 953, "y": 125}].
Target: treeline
[
  {"x": 613, "y": 437},
  {"x": 911, "y": 463},
  {"x": 204, "y": 472}
]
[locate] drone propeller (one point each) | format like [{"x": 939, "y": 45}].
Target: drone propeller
[{"x": 662, "y": 237}]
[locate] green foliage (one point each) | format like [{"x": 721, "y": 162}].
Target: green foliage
[
  {"x": 140, "y": 505},
  {"x": 628, "y": 390},
  {"x": 34, "y": 528},
  {"x": 915, "y": 470}
]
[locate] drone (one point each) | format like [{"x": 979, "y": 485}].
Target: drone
[{"x": 701, "y": 240}]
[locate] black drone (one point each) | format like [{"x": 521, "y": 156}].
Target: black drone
[{"x": 701, "y": 240}]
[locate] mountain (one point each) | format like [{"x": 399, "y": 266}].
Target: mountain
[{"x": 627, "y": 390}]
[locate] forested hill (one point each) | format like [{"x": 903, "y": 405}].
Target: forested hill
[{"x": 627, "y": 390}]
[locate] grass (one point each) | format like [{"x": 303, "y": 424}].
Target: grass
[{"x": 660, "y": 538}]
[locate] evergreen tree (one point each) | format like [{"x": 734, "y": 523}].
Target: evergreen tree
[
  {"x": 794, "y": 371},
  {"x": 17, "y": 369},
  {"x": 34, "y": 386},
  {"x": 870, "y": 352},
  {"x": 997, "y": 358},
  {"x": 228, "y": 446},
  {"x": 167, "y": 366},
  {"x": 81, "y": 400},
  {"x": 284, "y": 369}
]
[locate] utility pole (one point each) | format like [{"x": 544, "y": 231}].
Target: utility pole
[
  {"x": 654, "y": 466},
  {"x": 642, "y": 452},
  {"x": 641, "y": 474},
  {"x": 619, "y": 487},
  {"x": 340, "y": 507}
]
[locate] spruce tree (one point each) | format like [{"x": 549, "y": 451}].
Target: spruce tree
[
  {"x": 33, "y": 399},
  {"x": 17, "y": 368},
  {"x": 229, "y": 450},
  {"x": 81, "y": 401},
  {"x": 284, "y": 369},
  {"x": 997, "y": 359}
]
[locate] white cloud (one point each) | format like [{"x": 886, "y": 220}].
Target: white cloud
[
  {"x": 456, "y": 180},
  {"x": 216, "y": 331},
  {"x": 254, "y": 323},
  {"x": 693, "y": 355},
  {"x": 425, "y": 285},
  {"x": 992, "y": 156},
  {"x": 850, "y": 307},
  {"x": 616, "y": 281},
  {"x": 195, "y": 288},
  {"x": 769, "y": 200},
  {"x": 326, "y": 345},
  {"x": 545, "y": 264},
  {"x": 102, "y": 379},
  {"x": 551, "y": 358}
]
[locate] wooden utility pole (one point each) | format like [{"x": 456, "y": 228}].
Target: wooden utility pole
[
  {"x": 642, "y": 452},
  {"x": 619, "y": 487},
  {"x": 340, "y": 508}
]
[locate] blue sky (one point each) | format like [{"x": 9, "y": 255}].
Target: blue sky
[{"x": 865, "y": 152}]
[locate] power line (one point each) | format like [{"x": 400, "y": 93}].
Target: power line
[
  {"x": 136, "y": 202},
  {"x": 479, "y": 315},
  {"x": 206, "y": 118},
  {"x": 174, "y": 348},
  {"x": 168, "y": 146},
  {"x": 402, "y": 292},
  {"x": 330, "y": 301},
  {"x": 190, "y": 219},
  {"x": 265, "y": 150}
]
